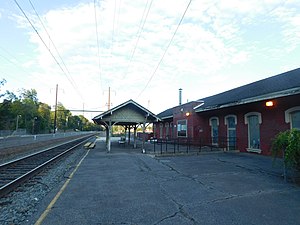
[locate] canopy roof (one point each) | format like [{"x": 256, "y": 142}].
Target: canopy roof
[{"x": 127, "y": 113}]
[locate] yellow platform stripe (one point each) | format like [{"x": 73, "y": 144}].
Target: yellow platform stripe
[{"x": 48, "y": 209}]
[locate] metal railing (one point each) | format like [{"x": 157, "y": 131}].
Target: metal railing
[{"x": 188, "y": 145}]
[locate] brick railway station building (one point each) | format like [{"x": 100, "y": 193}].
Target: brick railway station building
[{"x": 246, "y": 118}]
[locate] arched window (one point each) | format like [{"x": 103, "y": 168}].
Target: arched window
[
  {"x": 231, "y": 121},
  {"x": 167, "y": 129},
  {"x": 253, "y": 119},
  {"x": 292, "y": 116},
  {"x": 214, "y": 124},
  {"x": 182, "y": 128},
  {"x": 161, "y": 130}
]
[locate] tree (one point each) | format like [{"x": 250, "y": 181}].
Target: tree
[
  {"x": 30, "y": 109},
  {"x": 2, "y": 82},
  {"x": 10, "y": 96},
  {"x": 74, "y": 123},
  {"x": 287, "y": 144},
  {"x": 62, "y": 117},
  {"x": 44, "y": 115},
  {"x": 5, "y": 112},
  {"x": 29, "y": 96},
  {"x": 26, "y": 112}
]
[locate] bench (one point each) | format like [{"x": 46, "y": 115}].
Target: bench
[
  {"x": 122, "y": 141},
  {"x": 89, "y": 145},
  {"x": 92, "y": 145},
  {"x": 86, "y": 145}
]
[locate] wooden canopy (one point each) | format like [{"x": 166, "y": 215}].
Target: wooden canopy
[{"x": 129, "y": 114}]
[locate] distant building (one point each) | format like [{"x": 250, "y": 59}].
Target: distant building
[{"x": 245, "y": 118}]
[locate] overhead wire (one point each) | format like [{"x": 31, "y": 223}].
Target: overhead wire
[
  {"x": 113, "y": 34},
  {"x": 62, "y": 61},
  {"x": 138, "y": 34},
  {"x": 16, "y": 63},
  {"x": 165, "y": 51},
  {"x": 98, "y": 47},
  {"x": 42, "y": 40}
]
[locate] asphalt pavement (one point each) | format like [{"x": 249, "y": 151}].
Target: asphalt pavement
[{"x": 128, "y": 187}]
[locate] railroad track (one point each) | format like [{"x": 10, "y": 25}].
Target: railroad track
[{"x": 14, "y": 173}]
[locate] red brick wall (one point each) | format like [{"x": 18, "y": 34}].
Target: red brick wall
[{"x": 273, "y": 121}]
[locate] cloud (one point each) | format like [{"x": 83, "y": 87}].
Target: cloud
[{"x": 214, "y": 36}]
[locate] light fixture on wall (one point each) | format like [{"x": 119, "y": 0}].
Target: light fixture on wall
[
  {"x": 269, "y": 103},
  {"x": 187, "y": 114}
]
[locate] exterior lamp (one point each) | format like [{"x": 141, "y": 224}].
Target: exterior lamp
[
  {"x": 269, "y": 103},
  {"x": 187, "y": 113}
]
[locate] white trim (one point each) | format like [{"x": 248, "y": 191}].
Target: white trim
[
  {"x": 254, "y": 150},
  {"x": 257, "y": 150},
  {"x": 186, "y": 131},
  {"x": 273, "y": 95},
  {"x": 253, "y": 114},
  {"x": 214, "y": 117},
  {"x": 211, "y": 129},
  {"x": 198, "y": 106},
  {"x": 230, "y": 128},
  {"x": 230, "y": 115},
  {"x": 287, "y": 113}
]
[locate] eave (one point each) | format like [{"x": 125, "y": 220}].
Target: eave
[{"x": 268, "y": 96}]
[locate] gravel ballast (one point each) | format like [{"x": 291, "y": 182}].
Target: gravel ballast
[{"x": 18, "y": 206}]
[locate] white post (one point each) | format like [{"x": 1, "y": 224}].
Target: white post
[
  {"x": 109, "y": 135},
  {"x": 143, "y": 141},
  {"x": 106, "y": 135},
  {"x": 134, "y": 136}
]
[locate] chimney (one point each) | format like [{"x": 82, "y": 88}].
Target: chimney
[{"x": 180, "y": 96}]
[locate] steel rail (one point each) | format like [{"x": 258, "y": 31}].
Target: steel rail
[{"x": 16, "y": 182}]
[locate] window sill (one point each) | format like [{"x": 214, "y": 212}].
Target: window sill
[{"x": 254, "y": 150}]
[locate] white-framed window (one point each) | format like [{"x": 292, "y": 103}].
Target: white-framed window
[
  {"x": 292, "y": 116},
  {"x": 161, "y": 130},
  {"x": 214, "y": 124},
  {"x": 182, "y": 128},
  {"x": 253, "y": 119},
  {"x": 230, "y": 122},
  {"x": 172, "y": 129},
  {"x": 167, "y": 129}
]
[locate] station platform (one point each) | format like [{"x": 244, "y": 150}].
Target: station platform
[{"x": 128, "y": 187}]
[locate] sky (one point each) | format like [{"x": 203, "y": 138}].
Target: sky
[{"x": 143, "y": 50}]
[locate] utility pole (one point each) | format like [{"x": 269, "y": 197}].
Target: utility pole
[
  {"x": 109, "y": 99},
  {"x": 55, "y": 110}
]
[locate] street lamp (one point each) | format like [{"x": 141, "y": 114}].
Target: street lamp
[
  {"x": 33, "y": 124},
  {"x": 17, "y": 123}
]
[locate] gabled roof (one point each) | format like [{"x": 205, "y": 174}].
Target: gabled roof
[
  {"x": 166, "y": 114},
  {"x": 284, "y": 84},
  {"x": 127, "y": 113},
  {"x": 281, "y": 85}
]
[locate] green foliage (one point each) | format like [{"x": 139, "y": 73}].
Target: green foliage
[
  {"x": 288, "y": 143},
  {"x": 2, "y": 82},
  {"x": 26, "y": 112}
]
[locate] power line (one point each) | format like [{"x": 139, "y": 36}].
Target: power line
[
  {"x": 138, "y": 34},
  {"x": 160, "y": 61},
  {"x": 71, "y": 80},
  {"x": 33, "y": 27},
  {"x": 98, "y": 48}
]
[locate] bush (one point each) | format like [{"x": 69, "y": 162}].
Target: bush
[{"x": 287, "y": 143}]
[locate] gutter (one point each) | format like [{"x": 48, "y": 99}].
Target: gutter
[{"x": 278, "y": 94}]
